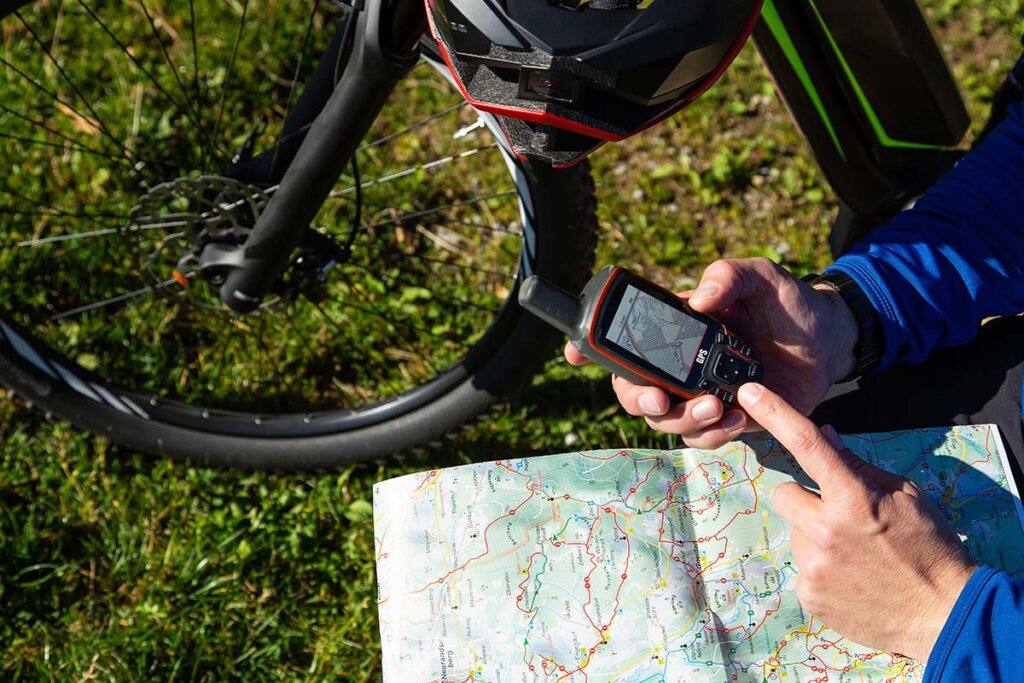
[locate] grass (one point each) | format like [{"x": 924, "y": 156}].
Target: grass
[{"x": 117, "y": 566}]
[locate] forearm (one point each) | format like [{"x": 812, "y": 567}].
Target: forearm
[{"x": 935, "y": 271}]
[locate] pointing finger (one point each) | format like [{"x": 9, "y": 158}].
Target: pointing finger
[
  {"x": 818, "y": 458},
  {"x": 886, "y": 481}
]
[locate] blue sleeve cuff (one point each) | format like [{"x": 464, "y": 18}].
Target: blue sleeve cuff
[
  {"x": 981, "y": 640},
  {"x": 951, "y": 632}
]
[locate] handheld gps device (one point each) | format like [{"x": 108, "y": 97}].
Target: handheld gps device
[{"x": 646, "y": 334}]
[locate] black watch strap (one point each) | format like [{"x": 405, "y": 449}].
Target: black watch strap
[{"x": 869, "y": 347}]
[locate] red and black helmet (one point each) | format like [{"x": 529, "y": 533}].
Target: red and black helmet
[{"x": 564, "y": 76}]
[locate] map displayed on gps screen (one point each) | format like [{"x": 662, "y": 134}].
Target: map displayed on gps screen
[
  {"x": 645, "y": 566},
  {"x": 663, "y": 336}
]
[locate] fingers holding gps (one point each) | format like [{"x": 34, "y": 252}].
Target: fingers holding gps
[
  {"x": 730, "y": 427},
  {"x": 573, "y": 355},
  {"x": 703, "y": 422},
  {"x": 654, "y": 403},
  {"x": 639, "y": 400}
]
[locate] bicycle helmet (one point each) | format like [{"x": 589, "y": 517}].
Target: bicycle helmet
[{"x": 564, "y": 76}]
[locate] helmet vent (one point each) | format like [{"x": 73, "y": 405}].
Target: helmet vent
[{"x": 580, "y": 5}]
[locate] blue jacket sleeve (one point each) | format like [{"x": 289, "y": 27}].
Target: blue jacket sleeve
[
  {"x": 981, "y": 639},
  {"x": 936, "y": 271}
]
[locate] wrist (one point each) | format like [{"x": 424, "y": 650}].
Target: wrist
[
  {"x": 941, "y": 603},
  {"x": 843, "y": 334},
  {"x": 867, "y": 350}
]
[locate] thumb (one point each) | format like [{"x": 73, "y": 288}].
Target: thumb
[{"x": 727, "y": 281}]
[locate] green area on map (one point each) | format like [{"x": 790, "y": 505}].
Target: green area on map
[{"x": 645, "y": 566}]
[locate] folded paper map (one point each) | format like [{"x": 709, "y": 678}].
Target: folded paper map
[{"x": 645, "y": 566}]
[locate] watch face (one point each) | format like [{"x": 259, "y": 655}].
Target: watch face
[{"x": 654, "y": 334}]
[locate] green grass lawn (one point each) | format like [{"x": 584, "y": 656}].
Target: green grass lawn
[{"x": 117, "y": 566}]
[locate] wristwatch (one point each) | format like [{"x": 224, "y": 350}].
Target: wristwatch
[{"x": 869, "y": 347}]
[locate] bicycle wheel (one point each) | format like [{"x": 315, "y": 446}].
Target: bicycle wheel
[{"x": 124, "y": 128}]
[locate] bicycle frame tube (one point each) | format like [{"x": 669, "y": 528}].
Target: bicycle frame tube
[
  {"x": 384, "y": 48},
  {"x": 871, "y": 92}
]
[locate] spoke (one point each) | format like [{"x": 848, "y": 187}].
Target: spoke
[
  {"x": 100, "y": 233},
  {"x": 99, "y": 121},
  {"x": 131, "y": 227},
  {"x": 225, "y": 341},
  {"x": 464, "y": 303},
  {"x": 438, "y": 209},
  {"x": 231, "y": 68},
  {"x": 340, "y": 329},
  {"x": 298, "y": 64},
  {"x": 170, "y": 65},
  {"x": 449, "y": 264},
  {"x": 120, "y": 298},
  {"x": 50, "y": 210},
  {"x": 261, "y": 360},
  {"x": 134, "y": 60},
  {"x": 405, "y": 324},
  {"x": 487, "y": 228},
  {"x": 52, "y": 225},
  {"x": 392, "y": 136},
  {"x": 195, "y": 57},
  {"x": 444, "y": 299},
  {"x": 430, "y": 165},
  {"x": 333, "y": 323},
  {"x": 79, "y": 146},
  {"x": 136, "y": 165},
  {"x": 390, "y": 318},
  {"x": 73, "y": 147},
  {"x": 163, "y": 50},
  {"x": 273, "y": 353}
]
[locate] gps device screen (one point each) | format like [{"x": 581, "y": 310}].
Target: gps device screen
[{"x": 653, "y": 332}]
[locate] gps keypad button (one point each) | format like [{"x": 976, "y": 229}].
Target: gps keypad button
[
  {"x": 754, "y": 371},
  {"x": 728, "y": 369}
]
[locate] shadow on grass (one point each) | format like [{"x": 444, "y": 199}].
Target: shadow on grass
[{"x": 553, "y": 416}]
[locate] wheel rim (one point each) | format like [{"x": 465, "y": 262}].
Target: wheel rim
[{"x": 437, "y": 254}]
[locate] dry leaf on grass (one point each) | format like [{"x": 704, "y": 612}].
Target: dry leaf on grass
[{"x": 82, "y": 124}]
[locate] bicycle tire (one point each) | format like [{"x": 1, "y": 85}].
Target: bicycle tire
[{"x": 559, "y": 235}]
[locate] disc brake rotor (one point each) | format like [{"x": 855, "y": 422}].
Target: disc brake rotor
[{"x": 196, "y": 214}]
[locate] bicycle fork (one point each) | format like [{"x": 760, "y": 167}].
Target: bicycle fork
[{"x": 384, "y": 40}]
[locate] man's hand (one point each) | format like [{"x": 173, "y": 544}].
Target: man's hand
[
  {"x": 805, "y": 337},
  {"x": 877, "y": 562}
]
